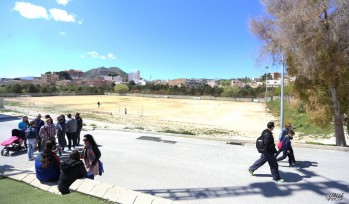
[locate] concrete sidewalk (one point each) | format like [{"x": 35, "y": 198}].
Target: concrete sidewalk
[{"x": 94, "y": 188}]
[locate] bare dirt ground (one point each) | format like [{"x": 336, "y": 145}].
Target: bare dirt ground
[{"x": 200, "y": 117}]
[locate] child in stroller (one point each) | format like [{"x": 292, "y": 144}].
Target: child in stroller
[{"x": 14, "y": 143}]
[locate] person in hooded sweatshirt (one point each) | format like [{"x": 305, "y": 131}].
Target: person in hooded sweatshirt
[
  {"x": 61, "y": 127},
  {"x": 71, "y": 170}
]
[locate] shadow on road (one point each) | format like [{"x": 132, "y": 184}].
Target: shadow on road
[
  {"x": 267, "y": 189},
  {"x": 6, "y": 118}
]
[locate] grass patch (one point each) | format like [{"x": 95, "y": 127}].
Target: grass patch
[
  {"x": 299, "y": 119},
  {"x": 139, "y": 128},
  {"x": 12, "y": 191},
  {"x": 216, "y": 132},
  {"x": 93, "y": 125},
  {"x": 180, "y": 131}
]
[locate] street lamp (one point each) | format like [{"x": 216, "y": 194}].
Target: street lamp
[
  {"x": 266, "y": 89},
  {"x": 282, "y": 93}
]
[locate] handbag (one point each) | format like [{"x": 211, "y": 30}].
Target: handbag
[{"x": 101, "y": 169}]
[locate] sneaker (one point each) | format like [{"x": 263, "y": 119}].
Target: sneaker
[
  {"x": 31, "y": 159},
  {"x": 250, "y": 171},
  {"x": 291, "y": 165},
  {"x": 280, "y": 180}
]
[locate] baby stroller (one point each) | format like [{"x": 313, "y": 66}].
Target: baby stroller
[{"x": 14, "y": 143}]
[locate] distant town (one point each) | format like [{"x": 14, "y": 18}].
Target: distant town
[{"x": 80, "y": 78}]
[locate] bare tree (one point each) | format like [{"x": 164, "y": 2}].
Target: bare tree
[{"x": 314, "y": 37}]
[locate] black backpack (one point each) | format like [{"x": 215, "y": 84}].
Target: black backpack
[{"x": 260, "y": 144}]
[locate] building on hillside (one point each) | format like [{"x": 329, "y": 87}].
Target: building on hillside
[
  {"x": 115, "y": 79},
  {"x": 98, "y": 82},
  {"x": 75, "y": 74},
  {"x": 237, "y": 83},
  {"x": 212, "y": 83},
  {"x": 134, "y": 76},
  {"x": 178, "y": 82},
  {"x": 273, "y": 83},
  {"x": 275, "y": 75},
  {"x": 49, "y": 78},
  {"x": 194, "y": 82},
  {"x": 257, "y": 79},
  {"x": 255, "y": 84},
  {"x": 141, "y": 82},
  {"x": 64, "y": 83}
]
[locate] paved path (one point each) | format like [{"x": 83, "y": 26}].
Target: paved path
[{"x": 203, "y": 171}]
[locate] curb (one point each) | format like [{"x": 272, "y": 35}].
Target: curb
[
  {"x": 90, "y": 187},
  {"x": 230, "y": 141}
]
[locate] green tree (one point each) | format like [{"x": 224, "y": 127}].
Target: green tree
[
  {"x": 230, "y": 92},
  {"x": 31, "y": 88},
  {"x": 64, "y": 75},
  {"x": 313, "y": 36},
  {"x": 121, "y": 88}
]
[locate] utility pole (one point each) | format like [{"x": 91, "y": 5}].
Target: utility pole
[
  {"x": 266, "y": 88},
  {"x": 282, "y": 93}
]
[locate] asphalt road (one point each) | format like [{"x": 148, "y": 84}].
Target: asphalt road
[{"x": 204, "y": 171}]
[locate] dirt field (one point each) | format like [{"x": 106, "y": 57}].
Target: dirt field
[{"x": 204, "y": 117}]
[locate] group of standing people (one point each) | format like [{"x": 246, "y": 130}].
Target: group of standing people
[
  {"x": 37, "y": 132},
  {"x": 270, "y": 154},
  {"x": 41, "y": 135}
]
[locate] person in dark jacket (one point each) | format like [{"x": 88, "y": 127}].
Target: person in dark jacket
[
  {"x": 61, "y": 127},
  {"x": 47, "y": 163},
  {"x": 268, "y": 155},
  {"x": 71, "y": 170},
  {"x": 284, "y": 132},
  {"x": 287, "y": 147},
  {"x": 79, "y": 128},
  {"x": 39, "y": 124}
]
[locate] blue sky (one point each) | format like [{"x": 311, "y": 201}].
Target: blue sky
[{"x": 164, "y": 39}]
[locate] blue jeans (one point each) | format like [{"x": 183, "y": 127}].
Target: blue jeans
[{"x": 31, "y": 143}]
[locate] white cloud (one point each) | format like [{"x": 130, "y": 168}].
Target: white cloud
[
  {"x": 96, "y": 55},
  {"x": 63, "y": 2},
  {"x": 82, "y": 56},
  {"x": 111, "y": 56},
  {"x": 93, "y": 54},
  {"x": 31, "y": 11},
  {"x": 62, "y": 15},
  {"x": 63, "y": 33}
]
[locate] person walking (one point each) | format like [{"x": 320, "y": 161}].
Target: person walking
[
  {"x": 71, "y": 131},
  {"x": 283, "y": 133},
  {"x": 61, "y": 127},
  {"x": 91, "y": 155},
  {"x": 31, "y": 134},
  {"x": 286, "y": 149},
  {"x": 79, "y": 121},
  {"x": 39, "y": 124},
  {"x": 268, "y": 154},
  {"x": 47, "y": 132}
]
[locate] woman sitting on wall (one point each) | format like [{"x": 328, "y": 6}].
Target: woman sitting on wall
[{"x": 47, "y": 163}]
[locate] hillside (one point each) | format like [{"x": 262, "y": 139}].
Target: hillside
[{"x": 102, "y": 71}]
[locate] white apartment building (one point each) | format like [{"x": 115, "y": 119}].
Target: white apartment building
[{"x": 134, "y": 76}]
